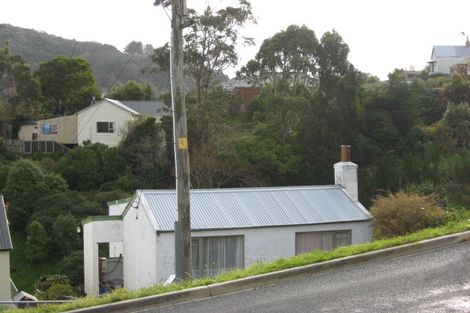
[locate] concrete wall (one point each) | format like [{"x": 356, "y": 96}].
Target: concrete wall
[
  {"x": 103, "y": 111},
  {"x": 5, "y": 292},
  {"x": 265, "y": 244},
  {"x": 94, "y": 232},
  {"x": 140, "y": 249}
]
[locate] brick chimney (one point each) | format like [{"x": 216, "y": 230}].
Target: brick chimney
[{"x": 346, "y": 172}]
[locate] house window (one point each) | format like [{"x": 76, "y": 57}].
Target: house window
[
  {"x": 321, "y": 240},
  {"x": 212, "y": 255},
  {"x": 49, "y": 129},
  {"x": 105, "y": 127}
]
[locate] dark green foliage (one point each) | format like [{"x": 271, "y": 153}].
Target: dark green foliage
[
  {"x": 87, "y": 167},
  {"x": 457, "y": 121},
  {"x": 18, "y": 88},
  {"x": 65, "y": 233},
  {"x": 36, "y": 243},
  {"x": 25, "y": 184},
  {"x": 48, "y": 208},
  {"x": 54, "y": 287},
  {"x": 454, "y": 173},
  {"x": 67, "y": 85},
  {"x": 72, "y": 267},
  {"x": 132, "y": 90},
  {"x": 144, "y": 151}
]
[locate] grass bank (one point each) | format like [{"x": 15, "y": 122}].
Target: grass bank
[{"x": 259, "y": 268}]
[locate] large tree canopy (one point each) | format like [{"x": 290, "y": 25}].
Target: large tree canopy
[
  {"x": 132, "y": 91},
  {"x": 67, "y": 85},
  {"x": 288, "y": 60}
]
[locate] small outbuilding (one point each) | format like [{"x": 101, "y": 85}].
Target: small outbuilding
[{"x": 230, "y": 228}]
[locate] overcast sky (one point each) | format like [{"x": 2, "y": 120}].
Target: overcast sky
[{"x": 382, "y": 34}]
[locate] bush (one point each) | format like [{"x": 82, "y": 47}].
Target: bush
[
  {"x": 36, "y": 243},
  {"x": 402, "y": 213},
  {"x": 53, "y": 287}
]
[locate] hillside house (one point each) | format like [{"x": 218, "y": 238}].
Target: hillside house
[
  {"x": 450, "y": 59},
  {"x": 5, "y": 247},
  {"x": 105, "y": 122},
  {"x": 231, "y": 228}
]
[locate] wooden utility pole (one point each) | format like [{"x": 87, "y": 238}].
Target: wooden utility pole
[{"x": 183, "y": 235}]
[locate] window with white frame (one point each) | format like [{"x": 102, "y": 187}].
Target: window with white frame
[
  {"x": 105, "y": 127},
  {"x": 212, "y": 255},
  {"x": 321, "y": 240}
]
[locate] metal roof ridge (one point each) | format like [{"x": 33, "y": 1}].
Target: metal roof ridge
[{"x": 246, "y": 189}]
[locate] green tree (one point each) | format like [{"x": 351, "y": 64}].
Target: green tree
[
  {"x": 65, "y": 233},
  {"x": 134, "y": 47},
  {"x": 36, "y": 243},
  {"x": 132, "y": 91},
  {"x": 288, "y": 61},
  {"x": 210, "y": 48},
  {"x": 457, "y": 120},
  {"x": 67, "y": 85},
  {"x": 18, "y": 87},
  {"x": 25, "y": 184},
  {"x": 144, "y": 150}
]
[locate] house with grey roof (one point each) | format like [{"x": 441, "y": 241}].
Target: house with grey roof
[
  {"x": 105, "y": 121},
  {"x": 446, "y": 59},
  {"x": 230, "y": 228},
  {"x": 5, "y": 247}
]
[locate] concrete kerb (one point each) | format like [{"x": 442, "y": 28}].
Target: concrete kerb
[{"x": 263, "y": 279}]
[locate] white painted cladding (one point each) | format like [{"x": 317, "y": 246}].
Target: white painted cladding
[
  {"x": 5, "y": 294},
  {"x": 261, "y": 244},
  {"x": 103, "y": 111},
  {"x": 140, "y": 250},
  {"x": 94, "y": 233}
]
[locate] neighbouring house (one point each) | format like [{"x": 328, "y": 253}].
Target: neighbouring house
[
  {"x": 450, "y": 60},
  {"x": 105, "y": 122},
  {"x": 5, "y": 247},
  {"x": 231, "y": 228}
]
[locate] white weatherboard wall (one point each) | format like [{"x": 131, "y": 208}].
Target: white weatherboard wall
[
  {"x": 140, "y": 248},
  {"x": 266, "y": 244},
  {"x": 5, "y": 294},
  {"x": 95, "y": 232},
  {"x": 103, "y": 111},
  {"x": 115, "y": 209}
]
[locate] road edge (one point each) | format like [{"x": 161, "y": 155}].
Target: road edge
[{"x": 268, "y": 278}]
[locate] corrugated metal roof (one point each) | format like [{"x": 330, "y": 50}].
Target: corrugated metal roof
[
  {"x": 450, "y": 51},
  {"x": 257, "y": 207},
  {"x": 147, "y": 107},
  {"x": 5, "y": 239}
]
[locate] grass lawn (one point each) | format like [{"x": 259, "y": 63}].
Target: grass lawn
[{"x": 260, "y": 268}]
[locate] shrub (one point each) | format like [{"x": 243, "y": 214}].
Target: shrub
[
  {"x": 36, "y": 243},
  {"x": 402, "y": 213}
]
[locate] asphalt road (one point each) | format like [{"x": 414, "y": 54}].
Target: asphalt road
[{"x": 432, "y": 281}]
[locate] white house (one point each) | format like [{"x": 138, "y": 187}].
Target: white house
[
  {"x": 105, "y": 122},
  {"x": 231, "y": 228},
  {"x": 5, "y": 248},
  {"x": 445, "y": 59}
]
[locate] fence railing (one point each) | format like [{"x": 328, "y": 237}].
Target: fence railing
[{"x": 35, "y": 146}]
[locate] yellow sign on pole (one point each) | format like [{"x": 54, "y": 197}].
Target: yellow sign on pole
[{"x": 183, "y": 143}]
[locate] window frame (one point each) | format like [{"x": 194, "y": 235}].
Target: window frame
[
  {"x": 201, "y": 266},
  {"x": 107, "y": 127},
  {"x": 335, "y": 242}
]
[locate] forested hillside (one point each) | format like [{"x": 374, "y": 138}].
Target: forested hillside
[
  {"x": 410, "y": 137},
  {"x": 110, "y": 66}
]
